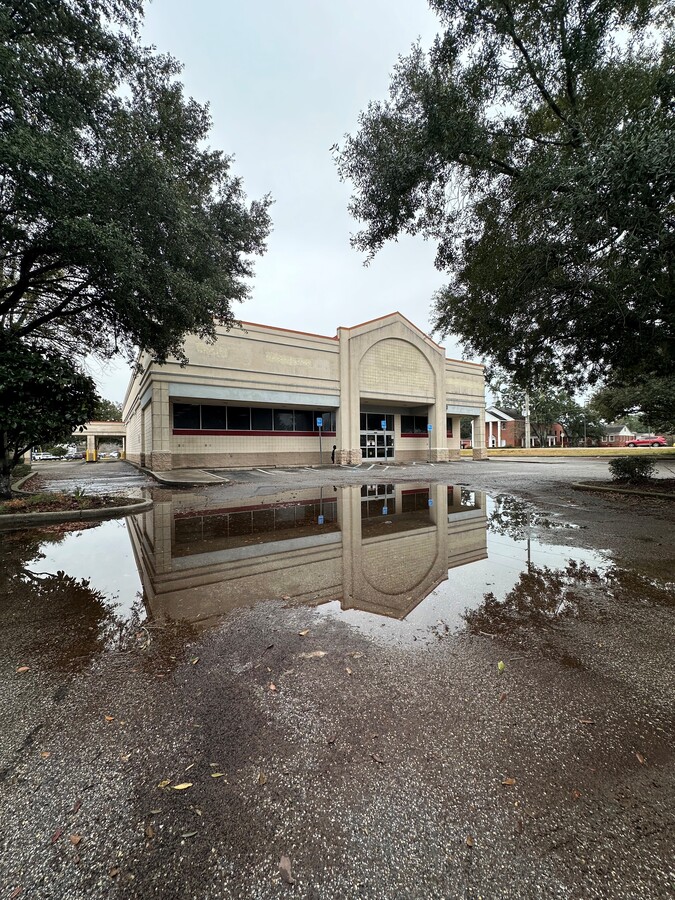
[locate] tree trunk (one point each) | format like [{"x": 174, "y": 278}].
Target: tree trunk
[
  {"x": 5, "y": 490},
  {"x": 6, "y": 466}
]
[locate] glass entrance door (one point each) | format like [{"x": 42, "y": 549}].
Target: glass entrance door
[{"x": 377, "y": 436}]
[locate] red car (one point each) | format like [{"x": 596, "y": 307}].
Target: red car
[{"x": 656, "y": 441}]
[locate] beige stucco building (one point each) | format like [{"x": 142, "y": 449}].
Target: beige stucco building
[
  {"x": 383, "y": 391},
  {"x": 378, "y": 548}
]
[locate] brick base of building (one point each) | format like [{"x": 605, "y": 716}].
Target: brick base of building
[
  {"x": 480, "y": 453},
  {"x": 454, "y": 455},
  {"x": 348, "y": 457},
  {"x": 439, "y": 454},
  {"x": 160, "y": 462}
]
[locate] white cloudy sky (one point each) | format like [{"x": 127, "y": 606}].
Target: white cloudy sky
[{"x": 286, "y": 79}]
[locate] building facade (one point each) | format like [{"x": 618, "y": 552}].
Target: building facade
[
  {"x": 380, "y": 391},
  {"x": 378, "y": 548}
]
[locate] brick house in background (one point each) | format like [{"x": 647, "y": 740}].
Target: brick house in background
[
  {"x": 505, "y": 427},
  {"x": 616, "y": 436}
]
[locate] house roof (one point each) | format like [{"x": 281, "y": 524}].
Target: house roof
[
  {"x": 616, "y": 429},
  {"x": 505, "y": 412}
]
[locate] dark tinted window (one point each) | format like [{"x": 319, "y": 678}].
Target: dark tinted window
[
  {"x": 238, "y": 418},
  {"x": 185, "y": 415},
  {"x": 375, "y": 421},
  {"x": 261, "y": 419},
  {"x": 303, "y": 419},
  {"x": 283, "y": 420},
  {"x": 407, "y": 424},
  {"x": 214, "y": 417}
]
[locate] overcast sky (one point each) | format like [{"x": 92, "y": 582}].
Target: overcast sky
[{"x": 285, "y": 80}]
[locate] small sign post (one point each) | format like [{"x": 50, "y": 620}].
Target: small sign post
[
  {"x": 430, "y": 428},
  {"x": 319, "y": 425}
]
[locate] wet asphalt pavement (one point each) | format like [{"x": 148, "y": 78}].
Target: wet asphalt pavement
[{"x": 380, "y": 769}]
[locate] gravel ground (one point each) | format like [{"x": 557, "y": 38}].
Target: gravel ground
[{"x": 422, "y": 772}]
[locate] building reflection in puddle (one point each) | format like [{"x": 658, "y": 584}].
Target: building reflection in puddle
[{"x": 378, "y": 548}]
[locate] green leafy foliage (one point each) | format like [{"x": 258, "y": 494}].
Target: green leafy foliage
[
  {"x": 653, "y": 400},
  {"x": 119, "y": 227},
  {"x": 43, "y": 398},
  {"x": 108, "y": 411},
  {"x": 534, "y": 143},
  {"x": 632, "y": 469},
  {"x": 548, "y": 404}
]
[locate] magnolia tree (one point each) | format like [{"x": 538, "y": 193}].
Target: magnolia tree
[
  {"x": 534, "y": 144},
  {"x": 43, "y": 399},
  {"x": 120, "y": 228}
]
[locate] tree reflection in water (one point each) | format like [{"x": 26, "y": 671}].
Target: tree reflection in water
[
  {"x": 540, "y": 598},
  {"x": 512, "y": 517},
  {"x": 69, "y": 621},
  {"x": 543, "y": 597}
]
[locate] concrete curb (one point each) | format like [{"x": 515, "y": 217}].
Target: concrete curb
[
  {"x": 20, "y": 483},
  {"x": 582, "y": 486},
  {"x": 9, "y": 521},
  {"x": 167, "y": 482}
]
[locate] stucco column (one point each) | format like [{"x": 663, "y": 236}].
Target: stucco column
[
  {"x": 90, "y": 455},
  {"x": 160, "y": 457},
  {"x": 349, "y": 520},
  {"x": 479, "y": 448},
  {"x": 348, "y": 444},
  {"x": 454, "y": 442},
  {"x": 439, "y": 433}
]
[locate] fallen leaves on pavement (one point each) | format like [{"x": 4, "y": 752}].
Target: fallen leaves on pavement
[{"x": 285, "y": 870}]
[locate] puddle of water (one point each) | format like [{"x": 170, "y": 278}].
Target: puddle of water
[
  {"x": 73, "y": 591},
  {"x": 399, "y": 562},
  {"x": 101, "y": 555}
]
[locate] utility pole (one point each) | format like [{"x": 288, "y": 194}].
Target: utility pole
[
  {"x": 527, "y": 420},
  {"x": 585, "y": 444}
]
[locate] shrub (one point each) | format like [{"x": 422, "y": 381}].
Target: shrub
[
  {"x": 632, "y": 469},
  {"x": 20, "y": 470}
]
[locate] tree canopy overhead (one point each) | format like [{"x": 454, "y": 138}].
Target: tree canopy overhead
[
  {"x": 119, "y": 227},
  {"x": 535, "y": 143}
]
